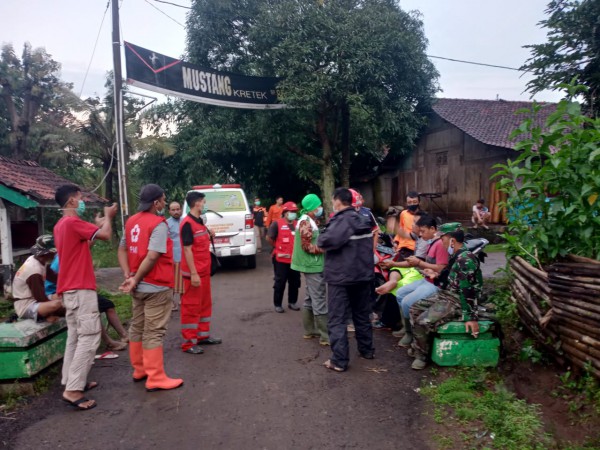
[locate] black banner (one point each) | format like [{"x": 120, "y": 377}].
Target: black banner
[{"x": 159, "y": 73}]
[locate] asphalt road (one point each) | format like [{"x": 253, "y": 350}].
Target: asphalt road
[{"x": 263, "y": 388}]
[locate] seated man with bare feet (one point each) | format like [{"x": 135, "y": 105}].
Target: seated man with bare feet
[{"x": 28, "y": 285}]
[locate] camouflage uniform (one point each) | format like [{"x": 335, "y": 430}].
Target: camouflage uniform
[{"x": 456, "y": 301}]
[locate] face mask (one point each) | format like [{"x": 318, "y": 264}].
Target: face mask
[
  {"x": 257, "y": 203},
  {"x": 429, "y": 241},
  {"x": 204, "y": 209},
  {"x": 319, "y": 211},
  {"x": 80, "y": 208},
  {"x": 292, "y": 216},
  {"x": 412, "y": 208},
  {"x": 450, "y": 248}
]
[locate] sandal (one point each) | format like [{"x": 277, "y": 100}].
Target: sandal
[
  {"x": 331, "y": 366},
  {"x": 77, "y": 403}
]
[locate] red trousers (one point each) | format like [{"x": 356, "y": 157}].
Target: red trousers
[{"x": 196, "y": 311}]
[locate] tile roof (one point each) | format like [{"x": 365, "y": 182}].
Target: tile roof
[
  {"x": 35, "y": 181},
  {"x": 488, "y": 121}
]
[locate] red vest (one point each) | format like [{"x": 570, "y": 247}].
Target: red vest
[
  {"x": 284, "y": 244},
  {"x": 200, "y": 249},
  {"x": 138, "y": 230}
]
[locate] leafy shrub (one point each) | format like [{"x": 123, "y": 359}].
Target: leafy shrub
[{"x": 553, "y": 185}]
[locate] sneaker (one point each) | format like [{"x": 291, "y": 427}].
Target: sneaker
[
  {"x": 279, "y": 309},
  {"x": 418, "y": 364},
  {"x": 293, "y": 307}
]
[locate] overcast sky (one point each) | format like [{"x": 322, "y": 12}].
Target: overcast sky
[{"x": 490, "y": 32}]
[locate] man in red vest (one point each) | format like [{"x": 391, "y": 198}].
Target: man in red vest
[
  {"x": 196, "y": 302},
  {"x": 281, "y": 237},
  {"x": 146, "y": 258}
]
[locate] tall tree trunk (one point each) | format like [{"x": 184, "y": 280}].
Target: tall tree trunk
[
  {"x": 327, "y": 174},
  {"x": 345, "y": 169}
]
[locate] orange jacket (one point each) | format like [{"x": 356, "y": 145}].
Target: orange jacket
[{"x": 275, "y": 213}]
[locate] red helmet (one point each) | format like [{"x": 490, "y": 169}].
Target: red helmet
[
  {"x": 289, "y": 206},
  {"x": 357, "y": 199}
]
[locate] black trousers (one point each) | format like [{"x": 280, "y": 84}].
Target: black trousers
[
  {"x": 355, "y": 301},
  {"x": 285, "y": 274}
]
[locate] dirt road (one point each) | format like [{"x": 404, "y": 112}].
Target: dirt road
[{"x": 263, "y": 388}]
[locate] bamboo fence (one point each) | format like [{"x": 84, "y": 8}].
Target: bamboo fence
[{"x": 560, "y": 306}]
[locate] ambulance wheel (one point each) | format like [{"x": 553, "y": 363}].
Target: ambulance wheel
[{"x": 251, "y": 260}]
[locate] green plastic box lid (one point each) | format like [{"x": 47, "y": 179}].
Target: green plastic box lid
[
  {"x": 25, "y": 333},
  {"x": 459, "y": 327}
]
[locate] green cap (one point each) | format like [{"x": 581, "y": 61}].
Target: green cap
[
  {"x": 450, "y": 227},
  {"x": 311, "y": 202}
]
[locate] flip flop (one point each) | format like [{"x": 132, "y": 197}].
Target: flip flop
[
  {"x": 77, "y": 403},
  {"x": 107, "y": 355},
  {"x": 89, "y": 386}
]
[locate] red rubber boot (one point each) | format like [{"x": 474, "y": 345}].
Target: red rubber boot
[
  {"x": 154, "y": 367},
  {"x": 136, "y": 356}
]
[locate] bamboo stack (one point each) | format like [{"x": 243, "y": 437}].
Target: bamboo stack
[
  {"x": 575, "y": 291},
  {"x": 531, "y": 293}
]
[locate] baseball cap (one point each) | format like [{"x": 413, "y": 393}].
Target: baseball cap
[
  {"x": 148, "y": 194},
  {"x": 289, "y": 206}
]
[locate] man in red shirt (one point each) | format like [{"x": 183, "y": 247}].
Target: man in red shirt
[
  {"x": 196, "y": 302},
  {"x": 146, "y": 258},
  {"x": 77, "y": 285}
]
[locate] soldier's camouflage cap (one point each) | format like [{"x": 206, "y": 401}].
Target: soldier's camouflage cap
[
  {"x": 44, "y": 245},
  {"x": 449, "y": 227}
]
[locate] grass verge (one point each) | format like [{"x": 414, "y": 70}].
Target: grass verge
[
  {"x": 104, "y": 254},
  {"x": 477, "y": 411}
]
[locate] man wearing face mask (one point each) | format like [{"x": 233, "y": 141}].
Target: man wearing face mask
[
  {"x": 406, "y": 245},
  {"x": 308, "y": 259},
  {"x": 461, "y": 288},
  {"x": 281, "y": 237},
  {"x": 259, "y": 214},
  {"x": 72, "y": 237},
  {"x": 196, "y": 303},
  {"x": 146, "y": 259}
]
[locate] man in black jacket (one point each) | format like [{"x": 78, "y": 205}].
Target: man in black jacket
[{"x": 348, "y": 244}]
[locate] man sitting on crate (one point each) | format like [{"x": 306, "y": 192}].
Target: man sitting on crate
[{"x": 461, "y": 285}]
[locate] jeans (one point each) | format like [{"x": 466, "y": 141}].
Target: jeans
[{"x": 411, "y": 293}]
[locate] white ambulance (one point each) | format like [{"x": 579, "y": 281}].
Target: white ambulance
[{"x": 229, "y": 216}]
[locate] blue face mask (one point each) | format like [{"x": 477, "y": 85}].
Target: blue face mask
[
  {"x": 292, "y": 216},
  {"x": 450, "y": 249},
  {"x": 204, "y": 209},
  {"x": 80, "y": 208},
  {"x": 319, "y": 211}
]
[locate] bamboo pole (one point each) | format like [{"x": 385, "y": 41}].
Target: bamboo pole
[
  {"x": 522, "y": 295},
  {"x": 569, "y": 349},
  {"x": 541, "y": 284},
  {"x": 588, "y": 314},
  {"x": 579, "y": 337},
  {"x": 578, "y": 326},
  {"x": 529, "y": 267},
  {"x": 582, "y": 363},
  {"x": 566, "y": 278},
  {"x": 587, "y": 306},
  {"x": 582, "y": 347},
  {"x": 560, "y": 313},
  {"x": 583, "y": 259}
]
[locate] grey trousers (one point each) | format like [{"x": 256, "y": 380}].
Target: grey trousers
[
  {"x": 355, "y": 298},
  {"x": 83, "y": 337},
  {"x": 316, "y": 293}
]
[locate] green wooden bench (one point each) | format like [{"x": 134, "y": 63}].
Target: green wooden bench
[{"x": 27, "y": 347}]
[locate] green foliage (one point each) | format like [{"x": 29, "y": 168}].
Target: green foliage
[
  {"x": 529, "y": 351},
  {"x": 505, "y": 308},
  {"x": 494, "y": 416},
  {"x": 553, "y": 185},
  {"x": 104, "y": 254},
  {"x": 572, "y": 50},
  {"x": 582, "y": 392}
]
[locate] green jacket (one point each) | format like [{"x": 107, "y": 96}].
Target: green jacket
[{"x": 303, "y": 261}]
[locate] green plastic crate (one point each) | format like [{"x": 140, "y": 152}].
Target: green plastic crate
[
  {"x": 27, "y": 347},
  {"x": 452, "y": 346}
]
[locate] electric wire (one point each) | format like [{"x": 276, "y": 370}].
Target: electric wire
[
  {"x": 94, "y": 50},
  {"x": 162, "y": 12},
  {"x": 112, "y": 158},
  {"x": 173, "y": 4}
]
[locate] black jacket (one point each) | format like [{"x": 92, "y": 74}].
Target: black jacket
[{"x": 348, "y": 244}]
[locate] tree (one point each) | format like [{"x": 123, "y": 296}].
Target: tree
[
  {"x": 353, "y": 72},
  {"x": 572, "y": 51},
  {"x": 36, "y": 106}
]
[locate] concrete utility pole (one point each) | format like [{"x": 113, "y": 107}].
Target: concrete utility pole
[{"x": 119, "y": 126}]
